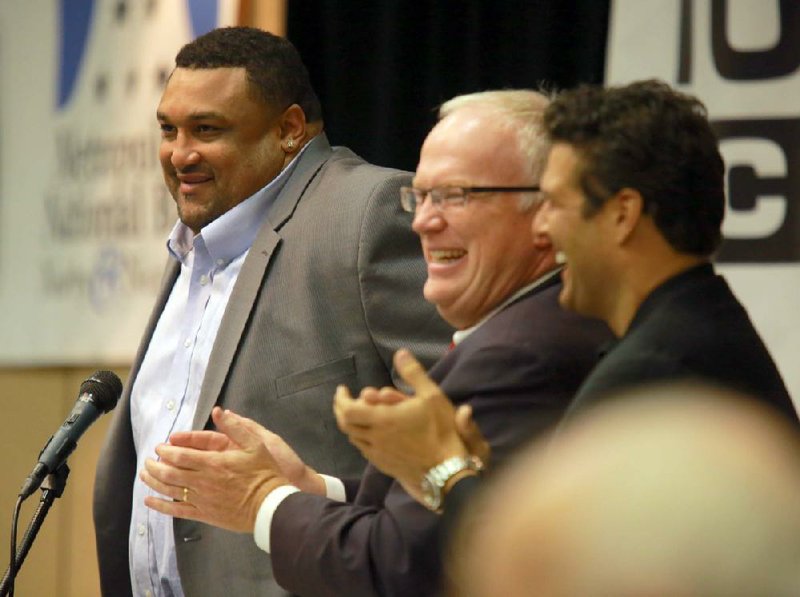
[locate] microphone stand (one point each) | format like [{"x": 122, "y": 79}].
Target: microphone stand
[{"x": 52, "y": 488}]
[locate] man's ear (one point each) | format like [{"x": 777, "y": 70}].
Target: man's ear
[
  {"x": 293, "y": 129},
  {"x": 626, "y": 211}
]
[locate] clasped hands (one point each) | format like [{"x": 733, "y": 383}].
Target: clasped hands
[
  {"x": 404, "y": 436},
  {"x": 222, "y": 477}
]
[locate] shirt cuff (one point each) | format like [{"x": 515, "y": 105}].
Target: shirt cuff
[
  {"x": 334, "y": 488},
  {"x": 267, "y": 511}
]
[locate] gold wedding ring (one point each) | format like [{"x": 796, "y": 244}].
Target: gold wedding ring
[{"x": 185, "y": 495}]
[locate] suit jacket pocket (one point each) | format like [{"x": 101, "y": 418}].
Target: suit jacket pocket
[{"x": 327, "y": 373}]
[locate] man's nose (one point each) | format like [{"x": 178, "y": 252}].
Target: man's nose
[
  {"x": 183, "y": 152},
  {"x": 427, "y": 217}
]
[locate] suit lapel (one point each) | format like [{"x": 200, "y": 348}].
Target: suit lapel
[
  {"x": 440, "y": 370},
  {"x": 250, "y": 280}
]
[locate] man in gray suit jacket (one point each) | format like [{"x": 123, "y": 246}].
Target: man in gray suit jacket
[{"x": 291, "y": 271}]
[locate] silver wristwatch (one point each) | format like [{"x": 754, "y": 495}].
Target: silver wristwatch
[{"x": 437, "y": 477}]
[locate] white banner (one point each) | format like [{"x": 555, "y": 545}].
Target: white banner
[
  {"x": 84, "y": 212},
  {"x": 742, "y": 59}
]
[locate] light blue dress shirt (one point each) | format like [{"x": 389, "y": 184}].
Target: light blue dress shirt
[{"x": 165, "y": 394}]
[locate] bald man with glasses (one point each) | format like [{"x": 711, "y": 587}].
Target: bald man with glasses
[{"x": 517, "y": 359}]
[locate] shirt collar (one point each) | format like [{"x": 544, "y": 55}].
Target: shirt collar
[
  {"x": 232, "y": 233},
  {"x": 461, "y": 335}
]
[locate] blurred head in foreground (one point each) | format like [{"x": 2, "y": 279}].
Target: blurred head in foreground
[{"x": 683, "y": 490}]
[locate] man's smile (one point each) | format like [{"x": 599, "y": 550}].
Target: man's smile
[{"x": 445, "y": 255}]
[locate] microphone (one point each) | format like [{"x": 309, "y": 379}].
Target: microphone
[{"x": 98, "y": 394}]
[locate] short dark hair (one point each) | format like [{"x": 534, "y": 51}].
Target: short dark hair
[
  {"x": 649, "y": 137},
  {"x": 273, "y": 65}
]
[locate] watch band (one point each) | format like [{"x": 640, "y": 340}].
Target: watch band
[{"x": 437, "y": 477}]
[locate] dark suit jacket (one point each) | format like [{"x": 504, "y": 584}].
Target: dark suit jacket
[
  {"x": 519, "y": 371},
  {"x": 690, "y": 327},
  {"x": 331, "y": 287}
]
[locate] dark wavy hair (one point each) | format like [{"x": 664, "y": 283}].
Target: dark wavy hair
[
  {"x": 274, "y": 68},
  {"x": 649, "y": 137}
]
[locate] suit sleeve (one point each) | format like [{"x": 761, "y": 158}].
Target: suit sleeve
[
  {"x": 387, "y": 547},
  {"x": 455, "y": 501},
  {"x": 391, "y": 274}
]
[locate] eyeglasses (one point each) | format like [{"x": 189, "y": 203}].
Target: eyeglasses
[{"x": 411, "y": 198}]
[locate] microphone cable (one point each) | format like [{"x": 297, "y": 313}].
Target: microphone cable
[{"x": 12, "y": 566}]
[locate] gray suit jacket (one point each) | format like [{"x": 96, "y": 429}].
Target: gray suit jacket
[{"x": 331, "y": 287}]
